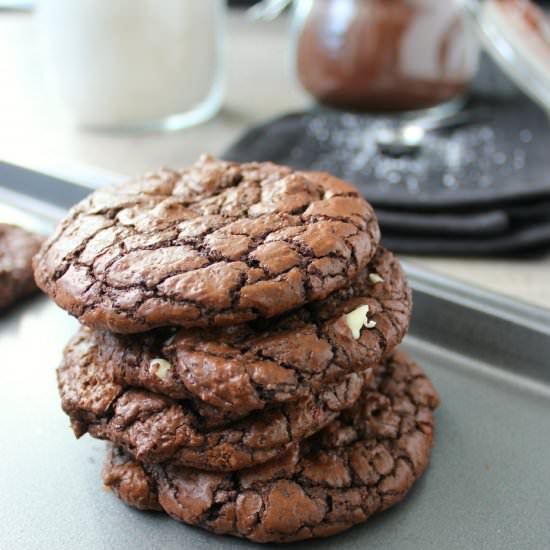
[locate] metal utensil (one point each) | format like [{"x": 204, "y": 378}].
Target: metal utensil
[{"x": 407, "y": 138}]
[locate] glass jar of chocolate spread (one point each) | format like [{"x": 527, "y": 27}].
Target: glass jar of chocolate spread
[{"x": 384, "y": 55}]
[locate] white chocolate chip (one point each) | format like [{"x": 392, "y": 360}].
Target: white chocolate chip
[
  {"x": 370, "y": 324},
  {"x": 170, "y": 340},
  {"x": 161, "y": 367},
  {"x": 357, "y": 319},
  {"x": 374, "y": 278}
]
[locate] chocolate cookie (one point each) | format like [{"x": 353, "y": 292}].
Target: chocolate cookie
[
  {"x": 251, "y": 366},
  {"x": 215, "y": 244},
  {"x": 17, "y": 247},
  {"x": 156, "y": 428},
  {"x": 362, "y": 463}
]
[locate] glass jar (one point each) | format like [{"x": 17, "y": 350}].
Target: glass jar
[
  {"x": 134, "y": 64},
  {"x": 384, "y": 55},
  {"x": 516, "y": 34}
]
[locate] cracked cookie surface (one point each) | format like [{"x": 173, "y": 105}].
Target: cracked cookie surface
[
  {"x": 362, "y": 463},
  {"x": 156, "y": 428},
  {"x": 214, "y": 244},
  {"x": 251, "y": 366},
  {"x": 17, "y": 247}
]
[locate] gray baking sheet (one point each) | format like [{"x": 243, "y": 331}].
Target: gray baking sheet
[{"x": 488, "y": 485}]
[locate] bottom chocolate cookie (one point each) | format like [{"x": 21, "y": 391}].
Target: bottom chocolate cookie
[{"x": 362, "y": 463}]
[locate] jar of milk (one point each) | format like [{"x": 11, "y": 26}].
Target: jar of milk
[{"x": 134, "y": 64}]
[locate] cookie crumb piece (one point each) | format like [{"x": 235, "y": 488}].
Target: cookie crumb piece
[
  {"x": 358, "y": 319},
  {"x": 374, "y": 278},
  {"x": 161, "y": 367}
]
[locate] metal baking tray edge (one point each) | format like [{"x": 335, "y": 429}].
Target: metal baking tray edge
[{"x": 488, "y": 485}]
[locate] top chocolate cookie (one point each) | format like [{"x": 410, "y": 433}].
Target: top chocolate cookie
[{"x": 215, "y": 244}]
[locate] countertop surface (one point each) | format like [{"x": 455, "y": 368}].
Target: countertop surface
[{"x": 259, "y": 86}]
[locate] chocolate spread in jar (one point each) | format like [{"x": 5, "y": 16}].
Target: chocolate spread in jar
[{"x": 386, "y": 55}]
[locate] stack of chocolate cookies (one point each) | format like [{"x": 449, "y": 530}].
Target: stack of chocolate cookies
[{"x": 238, "y": 349}]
